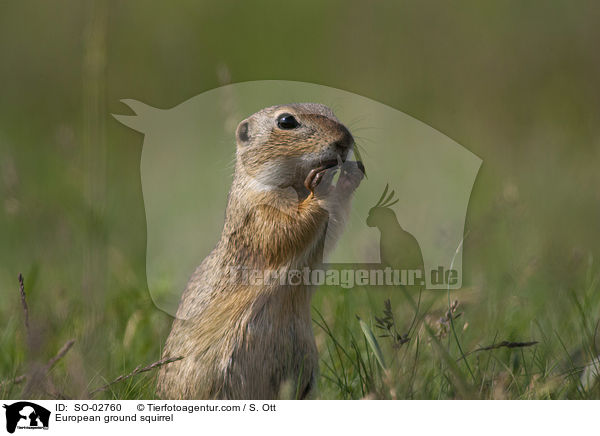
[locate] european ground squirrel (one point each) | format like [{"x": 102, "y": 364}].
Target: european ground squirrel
[{"x": 248, "y": 340}]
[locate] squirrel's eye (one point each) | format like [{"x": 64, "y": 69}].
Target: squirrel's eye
[{"x": 287, "y": 122}]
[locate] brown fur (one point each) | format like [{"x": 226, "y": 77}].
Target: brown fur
[{"x": 242, "y": 341}]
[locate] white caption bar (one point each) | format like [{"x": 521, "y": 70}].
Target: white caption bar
[{"x": 263, "y": 418}]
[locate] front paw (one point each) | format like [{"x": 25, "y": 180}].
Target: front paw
[
  {"x": 313, "y": 179},
  {"x": 352, "y": 173},
  {"x": 318, "y": 181}
]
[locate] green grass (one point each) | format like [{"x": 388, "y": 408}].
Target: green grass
[
  {"x": 447, "y": 352},
  {"x": 373, "y": 343}
]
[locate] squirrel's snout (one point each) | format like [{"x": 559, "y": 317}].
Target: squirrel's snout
[{"x": 343, "y": 145}]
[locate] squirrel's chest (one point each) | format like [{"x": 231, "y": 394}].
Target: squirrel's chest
[{"x": 272, "y": 350}]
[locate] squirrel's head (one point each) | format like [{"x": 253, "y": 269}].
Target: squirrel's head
[{"x": 279, "y": 145}]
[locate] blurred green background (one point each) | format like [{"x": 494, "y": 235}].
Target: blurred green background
[{"x": 514, "y": 82}]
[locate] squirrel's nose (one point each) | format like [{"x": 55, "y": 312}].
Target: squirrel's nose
[{"x": 344, "y": 142}]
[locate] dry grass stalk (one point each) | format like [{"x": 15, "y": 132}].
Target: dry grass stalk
[{"x": 136, "y": 371}]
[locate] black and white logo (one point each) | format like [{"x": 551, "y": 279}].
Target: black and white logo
[{"x": 26, "y": 415}]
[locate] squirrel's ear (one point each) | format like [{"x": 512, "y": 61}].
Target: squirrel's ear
[{"x": 242, "y": 133}]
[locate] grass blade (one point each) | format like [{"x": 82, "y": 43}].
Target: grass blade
[{"x": 372, "y": 341}]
